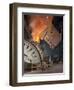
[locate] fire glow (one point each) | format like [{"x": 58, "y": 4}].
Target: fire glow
[{"x": 39, "y": 24}]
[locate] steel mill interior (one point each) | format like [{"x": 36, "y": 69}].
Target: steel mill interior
[{"x": 43, "y": 44}]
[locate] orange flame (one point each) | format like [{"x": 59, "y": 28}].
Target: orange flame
[
  {"x": 39, "y": 24},
  {"x": 36, "y": 37}
]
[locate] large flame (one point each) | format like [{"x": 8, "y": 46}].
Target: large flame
[{"x": 39, "y": 24}]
